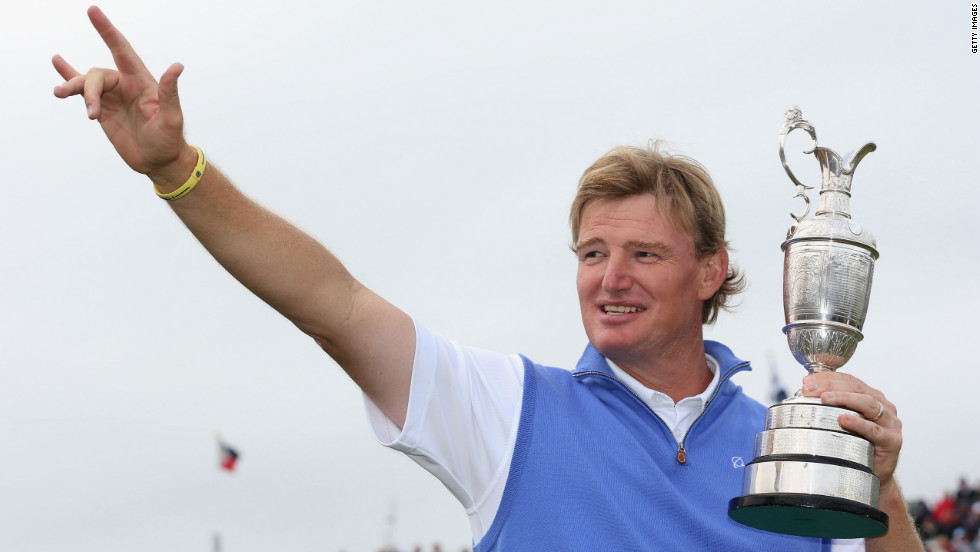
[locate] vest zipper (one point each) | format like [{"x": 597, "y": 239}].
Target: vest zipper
[{"x": 681, "y": 451}]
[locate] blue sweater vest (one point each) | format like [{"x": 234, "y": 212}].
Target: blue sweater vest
[{"x": 595, "y": 469}]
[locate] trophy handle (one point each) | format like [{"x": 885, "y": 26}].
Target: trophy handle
[{"x": 794, "y": 120}]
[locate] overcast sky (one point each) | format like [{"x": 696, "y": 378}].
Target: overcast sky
[{"x": 435, "y": 148}]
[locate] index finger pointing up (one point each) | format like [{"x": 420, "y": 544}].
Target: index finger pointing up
[{"x": 122, "y": 52}]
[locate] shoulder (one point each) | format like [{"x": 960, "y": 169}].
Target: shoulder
[{"x": 541, "y": 376}]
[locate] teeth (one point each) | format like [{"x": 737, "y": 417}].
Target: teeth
[{"x": 615, "y": 309}]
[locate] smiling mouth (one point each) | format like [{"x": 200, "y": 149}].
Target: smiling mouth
[{"x": 619, "y": 309}]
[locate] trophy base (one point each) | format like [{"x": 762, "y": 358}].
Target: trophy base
[
  {"x": 808, "y": 515},
  {"x": 809, "y": 477}
]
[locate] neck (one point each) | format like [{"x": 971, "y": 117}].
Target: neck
[{"x": 678, "y": 372}]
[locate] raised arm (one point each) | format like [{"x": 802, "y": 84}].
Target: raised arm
[{"x": 371, "y": 339}]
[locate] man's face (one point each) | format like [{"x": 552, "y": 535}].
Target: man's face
[{"x": 640, "y": 284}]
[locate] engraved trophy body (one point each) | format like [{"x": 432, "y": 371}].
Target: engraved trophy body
[{"x": 809, "y": 476}]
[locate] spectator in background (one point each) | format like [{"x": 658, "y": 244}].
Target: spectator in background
[{"x": 953, "y": 523}]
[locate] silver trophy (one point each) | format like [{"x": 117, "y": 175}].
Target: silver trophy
[{"x": 809, "y": 476}]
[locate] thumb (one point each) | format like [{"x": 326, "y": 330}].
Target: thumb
[{"x": 170, "y": 111}]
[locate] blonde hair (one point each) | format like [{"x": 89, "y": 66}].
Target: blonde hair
[{"x": 684, "y": 190}]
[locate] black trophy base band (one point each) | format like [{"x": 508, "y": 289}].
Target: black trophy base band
[
  {"x": 812, "y": 458},
  {"x": 808, "y": 515}
]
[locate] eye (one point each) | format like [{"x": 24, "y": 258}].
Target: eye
[
  {"x": 589, "y": 255},
  {"x": 648, "y": 255}
]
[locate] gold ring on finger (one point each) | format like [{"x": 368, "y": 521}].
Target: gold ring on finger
[{"x": 881, "y": 410}]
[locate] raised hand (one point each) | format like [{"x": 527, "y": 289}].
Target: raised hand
[{"x": 141, "y": 117}]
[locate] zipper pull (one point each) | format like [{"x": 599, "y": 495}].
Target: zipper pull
[{"x": 681, "y": 454}]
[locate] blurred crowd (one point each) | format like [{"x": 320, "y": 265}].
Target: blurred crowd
[{"x": 951, "y": 524}]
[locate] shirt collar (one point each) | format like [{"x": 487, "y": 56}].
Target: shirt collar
[{"x": 653, "y": 396}]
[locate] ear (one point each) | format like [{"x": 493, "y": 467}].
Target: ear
[{"x": 714, "y": 270}]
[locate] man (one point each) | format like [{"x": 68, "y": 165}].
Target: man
[{"x": 630, "y": 451}]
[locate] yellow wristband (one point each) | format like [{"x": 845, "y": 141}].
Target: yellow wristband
[{"x": 191, "y": 182}]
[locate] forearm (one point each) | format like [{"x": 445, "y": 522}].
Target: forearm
[
  {"x": 280, "y": 264},
  {"x": 371, "y": 339},
  {"x": 277, "y": 262},
  {"x": 901, "y": 535}
]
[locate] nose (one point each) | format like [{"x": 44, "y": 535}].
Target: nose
[{"x": 618, "y": 274}]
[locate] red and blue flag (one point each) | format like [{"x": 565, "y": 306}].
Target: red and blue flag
[{"x": 228, "y": 456}]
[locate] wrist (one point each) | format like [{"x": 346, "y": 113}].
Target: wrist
[
  {"x": 891, "y": 492},
  {"x": 172, "y": 176}
]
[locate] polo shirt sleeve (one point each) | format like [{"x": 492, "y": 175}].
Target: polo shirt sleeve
[
  {"x": 847, "y": 545},
  {"x": 463, "y": 412}
]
